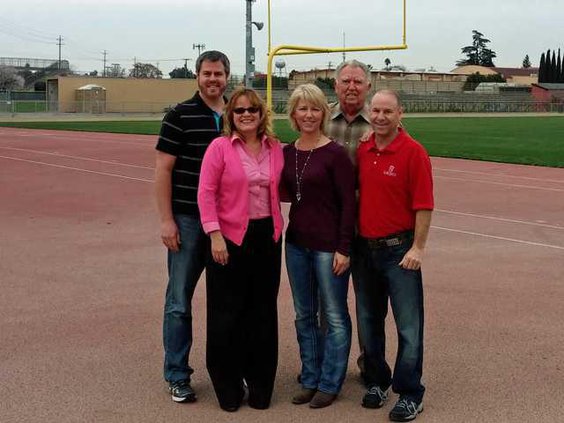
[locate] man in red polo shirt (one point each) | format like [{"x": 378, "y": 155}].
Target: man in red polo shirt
[{"x": 395, "y": 207}]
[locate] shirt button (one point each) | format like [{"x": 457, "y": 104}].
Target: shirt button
[
  {"x": 378, "y": 154},
  {"x": 375, "y": 162}
]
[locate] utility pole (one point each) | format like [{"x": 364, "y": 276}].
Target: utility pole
[
  {"x": 344, "y": 54},
  {"x": 200, "y": 47},
  {"x": 60, "y": 43},
  {"x": 135, "y": 67},
  {"x": 186, "y": 67},
  {"x": 249, "y": 49},
  {"x": 105, "y": 53}
]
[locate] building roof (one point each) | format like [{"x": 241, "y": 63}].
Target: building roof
[
  {"x": 517, "y": 71},
  {"x": 550, "y": 86},
  {"x": 89, "y": 87},
  {"x": 506, "y": 72}
]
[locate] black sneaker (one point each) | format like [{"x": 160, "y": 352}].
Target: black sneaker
[
  {"x": 181, "y": 391},
  {"x": 405, "y": 410},
  {"x": 375, "y": 397}
]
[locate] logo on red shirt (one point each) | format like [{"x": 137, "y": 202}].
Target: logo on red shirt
[{"x": 390, "y": 171}]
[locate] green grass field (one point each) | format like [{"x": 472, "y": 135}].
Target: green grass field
[
  {"x": 23, "y": 107},
  {"x": 524, "y": 140}
]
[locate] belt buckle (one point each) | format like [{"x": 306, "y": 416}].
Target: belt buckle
[{"x": 392, "y": 242}]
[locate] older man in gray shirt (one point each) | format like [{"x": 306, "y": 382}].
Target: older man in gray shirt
[
  {"x": 348, "y": 122},
  {"x": 349, "y": 118}
]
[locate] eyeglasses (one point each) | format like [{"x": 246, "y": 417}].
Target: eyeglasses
[{"x": 241, "y": 110}]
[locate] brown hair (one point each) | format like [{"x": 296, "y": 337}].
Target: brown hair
[{"x": 265, "y": 125}]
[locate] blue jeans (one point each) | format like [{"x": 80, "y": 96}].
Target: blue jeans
[
  {"x": 324, "y": 356},
  {"x": 184, "y": 269},
  {"x": 380, "y": 278}
]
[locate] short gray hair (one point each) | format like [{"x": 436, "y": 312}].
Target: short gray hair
[
  {"x": 353, "y": 64},
  {"x": 393, "y": 93}
]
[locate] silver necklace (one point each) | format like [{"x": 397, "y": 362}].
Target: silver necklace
[{"x": 300, "y": 175}]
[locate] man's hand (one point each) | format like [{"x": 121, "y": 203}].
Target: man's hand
[
  {"x": 170, "y": 235},
  {"x": 340, "y": 263},
  {"x": 219, "y": 248},
  {"x": 366, "y": 136},
  {"x": 412, "y": 259}
]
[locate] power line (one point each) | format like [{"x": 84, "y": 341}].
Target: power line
[
  {"x": 24, "y": 37},
  {"x": 24, "y": 32}
]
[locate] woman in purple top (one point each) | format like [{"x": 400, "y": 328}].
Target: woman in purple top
[
  {"x": 318, "y": 177},
  {"x": 240, "y": 211}
]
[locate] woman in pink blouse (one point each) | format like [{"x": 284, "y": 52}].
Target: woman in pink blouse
[{"x": 240, "y": 211}]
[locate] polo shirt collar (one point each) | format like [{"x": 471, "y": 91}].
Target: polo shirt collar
[
  {"x": 336, "y": 112},
  {"x": 198, "y": 98},
  {"x": 394, "y": 146}
]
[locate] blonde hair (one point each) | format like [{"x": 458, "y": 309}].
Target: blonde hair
[
  {"x": 265, "y": 124},
  {"x": 312, "y": 95}
]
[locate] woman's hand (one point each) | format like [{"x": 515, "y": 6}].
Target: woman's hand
[
  {"x": 219, "y": 248},
  {"x": 340, "y": 263}
]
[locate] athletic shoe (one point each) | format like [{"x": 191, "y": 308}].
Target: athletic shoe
[
  {"x": 405, "y": 410},
  {"x": 374, "y": 397},
  {"x": 181, "y": 391}
]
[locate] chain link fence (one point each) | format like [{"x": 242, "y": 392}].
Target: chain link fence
[{"x": 412, "y": 103}]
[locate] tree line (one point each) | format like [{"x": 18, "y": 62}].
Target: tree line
[{"x": 551, "y": 69}]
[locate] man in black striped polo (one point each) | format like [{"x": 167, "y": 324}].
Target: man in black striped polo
[{"x": 186, "y": 132}]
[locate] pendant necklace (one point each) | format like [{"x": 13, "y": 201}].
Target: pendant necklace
[{"x": 300, "y": 175}]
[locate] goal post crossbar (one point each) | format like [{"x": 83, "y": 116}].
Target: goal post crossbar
[{"x": 284, "y": 50}]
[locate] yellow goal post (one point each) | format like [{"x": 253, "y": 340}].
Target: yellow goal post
[{"x": 284, "y": 50}]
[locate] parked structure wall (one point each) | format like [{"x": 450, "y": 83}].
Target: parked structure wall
[
  {"x": 409, "y": 82},
  {"x": 123, "y": 95}
]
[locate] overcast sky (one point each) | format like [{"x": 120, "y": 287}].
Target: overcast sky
[{"x": 165, "y": 31}]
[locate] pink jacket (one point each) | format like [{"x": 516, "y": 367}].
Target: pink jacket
[{"x": 223, "y": 191}]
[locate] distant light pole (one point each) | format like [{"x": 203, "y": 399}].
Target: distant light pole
[
  {"x": 249, "y": 49},
  {"x": 186, "y": 67}
]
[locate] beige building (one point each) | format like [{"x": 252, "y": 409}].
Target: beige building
[
  {"x": 405, "y": 81},
  {"x": 120, "y": 95},
  {"x": 517, "y": 76}
]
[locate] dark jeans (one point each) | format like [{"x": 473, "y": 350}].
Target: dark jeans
[
  {"x": 380, "y": 278},
  {"x": 184, "y": 269},
  {"x": 355, "y": 263},
  {"x": 242, "y": 328}
]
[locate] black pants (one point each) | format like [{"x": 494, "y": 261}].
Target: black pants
[{"x": 242, "y": 326}]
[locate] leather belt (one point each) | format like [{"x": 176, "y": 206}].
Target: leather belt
[{"x": 390, "y": 241}]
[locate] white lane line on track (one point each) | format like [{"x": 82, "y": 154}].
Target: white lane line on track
[
  {"x": 141, "y": 143},
  {"x": 481, "y": 181},
  {"x": 502, "y": 238},
  {"x": 501, "y": 175},
  {"x": 77, "y": 157},
  {"x": 113, "y": 175},
  {"x": 500, "y": 219}
]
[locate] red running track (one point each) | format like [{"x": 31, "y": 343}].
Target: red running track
[{"x": 83, "y": 277}]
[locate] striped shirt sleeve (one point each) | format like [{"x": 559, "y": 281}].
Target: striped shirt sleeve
[{"x": 170, "y": 135}]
